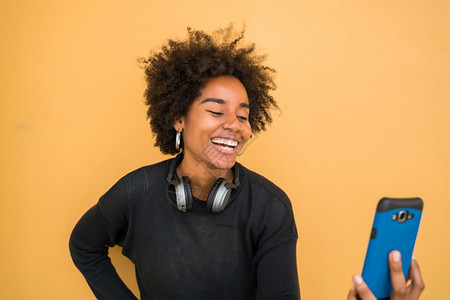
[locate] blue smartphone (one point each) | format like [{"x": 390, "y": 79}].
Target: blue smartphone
[{"x": 395, "y": 227}]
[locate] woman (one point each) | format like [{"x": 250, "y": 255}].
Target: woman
[{"x": 200, "y": 225}]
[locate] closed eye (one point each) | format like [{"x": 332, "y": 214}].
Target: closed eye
[
  {"x": 215, "y": 113},
  {"x": 242, "y": 118}
]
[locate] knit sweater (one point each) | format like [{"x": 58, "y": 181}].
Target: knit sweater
[{"x": 247, "y": 251}]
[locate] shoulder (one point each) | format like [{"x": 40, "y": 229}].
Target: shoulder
[
  {"x": 268, "y": 211},
  {"x": 140, "y": 178},
  {"x": 132, "y": 188},
  {"x": 154, "y": 170},
  {"x": 263, "y": 187}
]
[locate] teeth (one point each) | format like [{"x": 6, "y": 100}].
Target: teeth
[
  {"x": 225, "y": 147},
  {"x": 225, "y": 142}
]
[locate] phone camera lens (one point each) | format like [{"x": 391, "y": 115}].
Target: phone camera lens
[{"x": 402, "y": 216}]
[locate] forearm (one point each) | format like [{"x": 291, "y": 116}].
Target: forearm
[
  {"x": 89, "y": 250},
  {"x": 277, "y": 276}
]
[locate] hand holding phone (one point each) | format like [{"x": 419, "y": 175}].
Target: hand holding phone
[
  {"x": 395, "y": 227},
  {"x": 400, "y": 291}
]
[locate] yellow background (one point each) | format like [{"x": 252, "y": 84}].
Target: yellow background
[{"x": 364, "y": 96}]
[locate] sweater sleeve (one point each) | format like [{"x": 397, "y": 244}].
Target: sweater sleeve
[
  {"x": 276, "y": 257},
  {"x": 89, "y": 243},
  {"x": 277, "y": 273}
]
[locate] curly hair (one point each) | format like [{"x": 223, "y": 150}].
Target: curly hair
[{"x": 177, "y": 74}]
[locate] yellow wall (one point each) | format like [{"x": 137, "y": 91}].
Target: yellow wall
[{"x": 364, "y": 92}]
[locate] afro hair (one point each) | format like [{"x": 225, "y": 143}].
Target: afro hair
[{"x": 177, "y": 73}]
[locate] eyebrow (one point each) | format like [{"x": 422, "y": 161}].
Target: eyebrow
[{"x": 221, "y": 101}]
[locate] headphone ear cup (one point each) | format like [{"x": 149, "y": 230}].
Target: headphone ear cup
[
  {"x": 218, "y": 196},
  {"x": 184, "y": 194},
  {"x": 188, "y": 193}
]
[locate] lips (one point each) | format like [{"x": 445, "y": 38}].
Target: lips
[{"x": 224, "y": 143}]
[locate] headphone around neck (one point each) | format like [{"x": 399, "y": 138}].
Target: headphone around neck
[{"x": 218, "y": 197}]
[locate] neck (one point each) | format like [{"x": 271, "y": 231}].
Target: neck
[{"x": 202, "y": 178}]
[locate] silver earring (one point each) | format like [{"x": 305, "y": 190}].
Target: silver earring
[
  {"x": 245, "y": 148},
  {"x": 178, "y": 140}
]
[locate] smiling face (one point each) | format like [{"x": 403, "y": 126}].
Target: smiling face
[{"x": 216, "y": 126}]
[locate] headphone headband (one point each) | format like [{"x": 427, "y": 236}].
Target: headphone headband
[
  {"x": 218, "y": 197},
  {"x": 173, "y": 179}
]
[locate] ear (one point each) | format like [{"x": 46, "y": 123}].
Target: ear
[{"x": 178, "y": 124}]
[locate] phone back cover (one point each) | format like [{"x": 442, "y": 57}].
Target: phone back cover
[{"x": 388, "y": 234}]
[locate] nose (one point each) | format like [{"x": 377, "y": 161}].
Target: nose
[{"x": 232, "y": 123}]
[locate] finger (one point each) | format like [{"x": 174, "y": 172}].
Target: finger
[
  {"x": 417, "y": 284},
  {"x": 351, "y": 294},
  {"x": 362, "y": 289},
  {"x": 399, "y": 290}
]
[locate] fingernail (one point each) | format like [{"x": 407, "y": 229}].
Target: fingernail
[
  {"x": 413, "y": 258},
  {"x": 396, "y": 256},
  {"x": 358, "y": 279}
]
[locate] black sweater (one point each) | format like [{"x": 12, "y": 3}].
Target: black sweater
[{"x": 246, "y": 251}]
